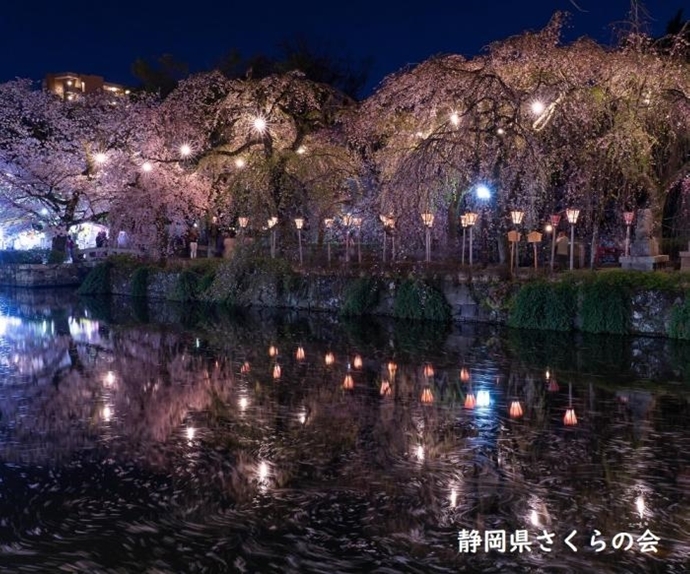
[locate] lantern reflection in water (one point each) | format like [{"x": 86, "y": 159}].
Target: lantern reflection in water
[
  {"x": 464, "y": 375},
  {"x": 392, "y": 368},
  {"x": 428, "y": 370},
  {"x": 569, "y": 419},
  {"x": 470, "y": 401},
  {"x": 427, "y": 396},
  {"x": 245, "y": 368},
  {"x": 515, "y": 411},
  {"x": 385, "y": 388},
  {"x": 276, "y": 371},
  {"x": 348, "y": 382}
]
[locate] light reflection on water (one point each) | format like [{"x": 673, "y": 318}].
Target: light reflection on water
[{"x": 144, "y": 447}]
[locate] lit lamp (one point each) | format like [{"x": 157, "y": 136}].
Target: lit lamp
[
  {"x": 427, "y": 396},
  {"x": 276, "y": 371},
  {"x": 428, "y": 371},
  {"x": 464, "y": 375},
  {"x": 347, "y": 221},
  {"x": 555, "y": 220},
  {"x": 572, "y": 215},
  {"x": 328, "y": 223},
  {"x": 628, "y": 216},
  {"x": 357, "y": 223},
  {"x": 245, "y": 368},
  {"x": 388, "y": 222},
  {"x": 428, "y": 220},
  {"x": 299, "y": 224},
  {"x": 569, "y": 419},
  {"x": 243, "y": 221},
  {"x": 471, "y": 220},
  {"x": 329, "y": 359},
  {"x": 299, "y": 354},
  {"x": 272, "y": 221},
  {"x": 357, "y": 362},
  {"x": 273, "y": 351},
  {"x": 516, "y": 217},
  {"x": 463, "y": 223}
]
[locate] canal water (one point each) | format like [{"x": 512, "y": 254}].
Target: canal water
[{"x": 160, "y": 438}]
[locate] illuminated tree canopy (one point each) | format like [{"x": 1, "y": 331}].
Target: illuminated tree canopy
[{"x": 543, "y": 124}]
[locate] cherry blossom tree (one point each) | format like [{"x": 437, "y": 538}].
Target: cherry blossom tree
[
  {"x": 270, "y": 147},
  {"x": 546, "y": 125},
  {"x": 95, "y": 159},
  {"x": 54, "y": 154}
]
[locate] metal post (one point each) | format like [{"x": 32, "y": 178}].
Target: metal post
[
  {"x": 572, "y": 245},
  {"x": 471, "y": 234},
  {"x": 428, "y": 245},
  {"x": 627, "y": 241},
  {"x": 553, "y": 247},
  {"x": 299, "y": 241},
  {"x": 462, "y": 257}
]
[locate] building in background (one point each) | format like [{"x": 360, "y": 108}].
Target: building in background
[{"x": 70, "y": 86}]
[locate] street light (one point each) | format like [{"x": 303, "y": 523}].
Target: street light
[
  {"x": 555, "y": 220},
  {"x": 628, "y": 216},
  {"x": 272, "y": 221},
  {"x": 463, "y": 223},
  {"x": 357, "y": 223},
  {"x": 428, "y": 220},
  {"x": 471, "y": 220},
  {"x": 328, "y": 223},
  {"x": 347, "y": 221},
  {"x": 483, "y": 193},
  {"x": 384, "y": 221},
  {"x": 243, "y": 221},
  {"x": 516, "y": 216},
  {"x": 299, "y": 224},
  {"x": 572, "y": 215}
]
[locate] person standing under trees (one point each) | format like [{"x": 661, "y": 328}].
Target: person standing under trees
[
  {"x": 562, "y": 250},
  {"x": 193, "y": 240}
]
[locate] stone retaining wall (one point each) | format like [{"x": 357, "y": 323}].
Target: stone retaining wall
[{"x": 42, "y": 276}]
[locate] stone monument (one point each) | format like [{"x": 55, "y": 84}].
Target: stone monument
[{"x": 644, "y": 249}]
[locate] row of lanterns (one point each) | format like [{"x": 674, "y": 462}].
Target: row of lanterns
[{"x": 467, "y": 220}]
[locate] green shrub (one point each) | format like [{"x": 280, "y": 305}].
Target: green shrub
[
  {"x": 414, "y": 299},
  {"x": 679, "y": 326},
  {"x": 544, "y": 305},
  {"x": 97, "y": 282},
  {"x": 55, "y": 256},
  {"x": 361, "y": 296},
  {"x": 605, "y": 304},
  {"x": 140, "y": 282}
]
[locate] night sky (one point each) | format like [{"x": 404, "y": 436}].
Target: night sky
[{"x": 105, "y": 37}]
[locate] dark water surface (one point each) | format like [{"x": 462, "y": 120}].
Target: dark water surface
[{"x": 162, "y": 439}]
